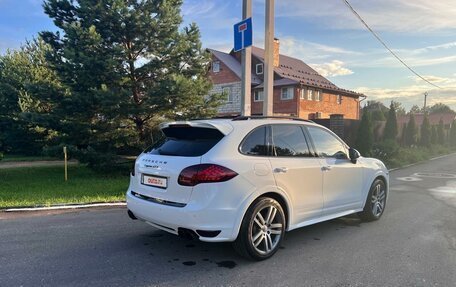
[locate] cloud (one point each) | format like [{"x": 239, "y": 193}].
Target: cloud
[
  {"x": 311, "y": 51},
  {"x": 415, "y": 16},
  {"x": 332, "y": 69}
]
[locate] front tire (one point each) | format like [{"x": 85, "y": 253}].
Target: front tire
[
  {"x": 375, "y": 202},
  {"x": 262, "y": 230}
]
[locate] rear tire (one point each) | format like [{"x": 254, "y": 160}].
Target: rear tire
[
  {"x": 375, "y": 202},
  {"x": 262, "y": 230}
]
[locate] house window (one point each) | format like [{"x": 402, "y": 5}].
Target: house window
[
  {"x": 216, "y": 66},
  {"x": 303, "y": 94},
  {"x": 259, "y": 69},
  {"x": 339, "y": 99},
  {"x": 258, "y": 96},
  {"x": 287, "y": 93},
  {"x": 229, "y": 95},
  {"x": 310, "y": 93},
  {"x": 317, "y": 96}
]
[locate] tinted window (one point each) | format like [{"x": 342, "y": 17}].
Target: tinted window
[
  {"x": 255, "y": 143},
  {"x": 289, "y": 140},
  {"x": 185, "y": 141},
  {"x": 326, "y": 144}
]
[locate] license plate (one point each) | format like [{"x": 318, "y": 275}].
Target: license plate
[{"x": 157, "y": 181}]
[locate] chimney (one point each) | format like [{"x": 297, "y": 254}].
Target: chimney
[{"x": 276, "y": 52}]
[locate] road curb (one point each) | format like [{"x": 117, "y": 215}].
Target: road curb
[
  {"x": 63, "y": 207},
  {"x": 423, "y": 161}
]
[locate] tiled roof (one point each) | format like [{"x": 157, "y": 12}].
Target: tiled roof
[
  {"x": 233, "y": 64},
  {"x": 299, "y": 71}
]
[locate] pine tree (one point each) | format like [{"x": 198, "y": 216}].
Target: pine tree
[
  {"x": 365, "y": 137},
  {"x": 125, "y": 64},
  {"x": 403, "y": 135},
  {"x": 425, "y": 134},
  {"x": 391, "y": 124},
  {"x": 453, "y": 134},
  {"x": 26, "y": 85},
  {"x": 434, "y": 137},
  {"x": 411, "y": 132},
  {"x": 441, "y": 133}
]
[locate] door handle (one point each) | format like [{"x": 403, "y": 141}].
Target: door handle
[
  {"x": 326, "y": 168},
  {"x": 280, "y": 169}
]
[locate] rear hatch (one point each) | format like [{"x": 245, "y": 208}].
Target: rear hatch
[{"x": 182, "y": 145}]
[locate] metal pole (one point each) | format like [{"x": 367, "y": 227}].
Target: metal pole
[
  {"x": 66, "y": 162},
  {"x": 246, "y": 62},
  {"x": 269, "y": 59},
  {"x": 425, "y": 100}
]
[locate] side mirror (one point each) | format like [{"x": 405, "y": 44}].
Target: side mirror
[{"x": 354, "y": 155}]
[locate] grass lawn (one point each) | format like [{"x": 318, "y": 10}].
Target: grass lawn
[{"x": 38, "y": 186}]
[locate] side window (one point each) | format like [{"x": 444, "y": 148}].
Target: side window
[
  {"x": 255, "y": 143},
  {"x": 289, "y": 140},
  {"x": 326, "y": 144}
]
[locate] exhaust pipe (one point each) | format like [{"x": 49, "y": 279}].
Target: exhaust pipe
[
  {"x": 131, "y": 215},
  {"x": 187, "y": 233}
]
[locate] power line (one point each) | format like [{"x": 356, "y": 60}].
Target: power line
[{"x": 386, "y": 46}]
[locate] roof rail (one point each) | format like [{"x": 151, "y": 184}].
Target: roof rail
[{"x": 244, "y": 118}]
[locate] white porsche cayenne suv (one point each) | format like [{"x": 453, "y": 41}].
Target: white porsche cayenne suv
[{"x": 250, "y": 179}]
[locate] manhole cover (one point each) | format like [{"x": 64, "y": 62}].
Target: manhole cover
[{"x": 435, "y": 175}]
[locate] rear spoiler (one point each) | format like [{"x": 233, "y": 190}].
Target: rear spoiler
[{"x": 224, "y": 127}]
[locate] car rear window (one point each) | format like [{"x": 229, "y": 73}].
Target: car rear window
[{"x": 185, "y": 141}]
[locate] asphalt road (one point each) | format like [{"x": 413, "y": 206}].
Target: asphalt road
[{"x": 414, "y": 244}]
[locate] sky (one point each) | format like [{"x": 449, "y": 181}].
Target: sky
[{"x": 324, "y": 34}]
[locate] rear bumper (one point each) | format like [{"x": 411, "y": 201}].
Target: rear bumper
[{"x": 196, "y": 215}]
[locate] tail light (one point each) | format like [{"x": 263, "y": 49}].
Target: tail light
[{"x": 204, "y": 173}]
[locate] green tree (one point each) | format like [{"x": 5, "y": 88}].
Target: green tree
[
  {"x": 425, "y": 134},
  {"x": 411, "y": 131},
  {"x": 440, "y": 108},
  {"x": 415, "y": 109},
  {"x": 127, "y": 64},
  {"x": 441, "y": 133},
  {"x": 403, "y": 135},
  {"x": 434, "y": 136},
  {"x": 390, "y": 132},
  {"x": 365, "y": 137},
  {"x": 26, "y": 85},
  {"x": 400, "y": 111},
  {"x": 453, "y": 134}
]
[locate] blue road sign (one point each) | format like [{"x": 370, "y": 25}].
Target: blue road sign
[{"x": 243, "y": 34}]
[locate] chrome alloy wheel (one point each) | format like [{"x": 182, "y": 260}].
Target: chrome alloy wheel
[
  {"x": 378, "y": 200},
  {"x": 267, "y": 230}
]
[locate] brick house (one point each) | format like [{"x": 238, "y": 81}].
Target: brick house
[{"x": 298, "y": 89}]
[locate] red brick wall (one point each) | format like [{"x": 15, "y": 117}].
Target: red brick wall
[
  {"x": 328, "y": 106},
  {"x": 280, "y": 107},
  {"x": 225, "y": 75}
]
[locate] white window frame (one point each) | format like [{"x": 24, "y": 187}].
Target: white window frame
[
  {"x": 289, "y": 90},
  {"x": 216, "y": 66},
  {"x": 261, "y": 68},
  {"x": 317, "y": 95},
  {"x": 339, "y": 99},
  {"x": 310, "y": 94},
  {"x": 302, "y": 95},
  {"x": 229, "y": 94},
  {"x": 258, "y": 95}
]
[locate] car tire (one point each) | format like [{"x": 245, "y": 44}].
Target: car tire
[
  {"x": 262, "y": 230},
  {"x": 375, "y": 202}
]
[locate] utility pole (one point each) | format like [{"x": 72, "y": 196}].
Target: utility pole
[
  {"x": 246, "y": 62},
  {"x": 268, "y": 100},
  {"x": 425, "y": 100}
]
